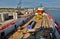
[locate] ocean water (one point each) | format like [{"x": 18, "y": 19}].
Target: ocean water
[{"x": 55, "y": 14}]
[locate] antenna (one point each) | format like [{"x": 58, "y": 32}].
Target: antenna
[{"x": 41, "y": 5}]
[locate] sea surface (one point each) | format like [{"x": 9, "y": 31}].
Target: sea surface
[{"x": 55, "y": 14}]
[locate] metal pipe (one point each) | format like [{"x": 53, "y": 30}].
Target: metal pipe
[{"x": 32, "y": 24}]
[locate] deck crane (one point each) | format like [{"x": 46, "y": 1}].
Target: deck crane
[{"x": 19, "y": 7}]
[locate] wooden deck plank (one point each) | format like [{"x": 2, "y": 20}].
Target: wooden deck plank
[
  {"x": 39, "y": 24},
  {"x": 18, "y": 34}
]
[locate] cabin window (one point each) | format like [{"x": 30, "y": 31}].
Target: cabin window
[
  {"x": 15, "y": 26},
  {"x": 0, "y": 24},
  {"x": 2, "y": 34}
]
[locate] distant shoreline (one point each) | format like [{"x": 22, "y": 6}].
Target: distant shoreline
[{"x": 16, "y": 8}]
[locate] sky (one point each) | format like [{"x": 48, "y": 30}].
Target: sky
[{"x": 29, "y": 3}]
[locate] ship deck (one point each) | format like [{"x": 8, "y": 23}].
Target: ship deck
[{"x": 42, "y": 28}]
